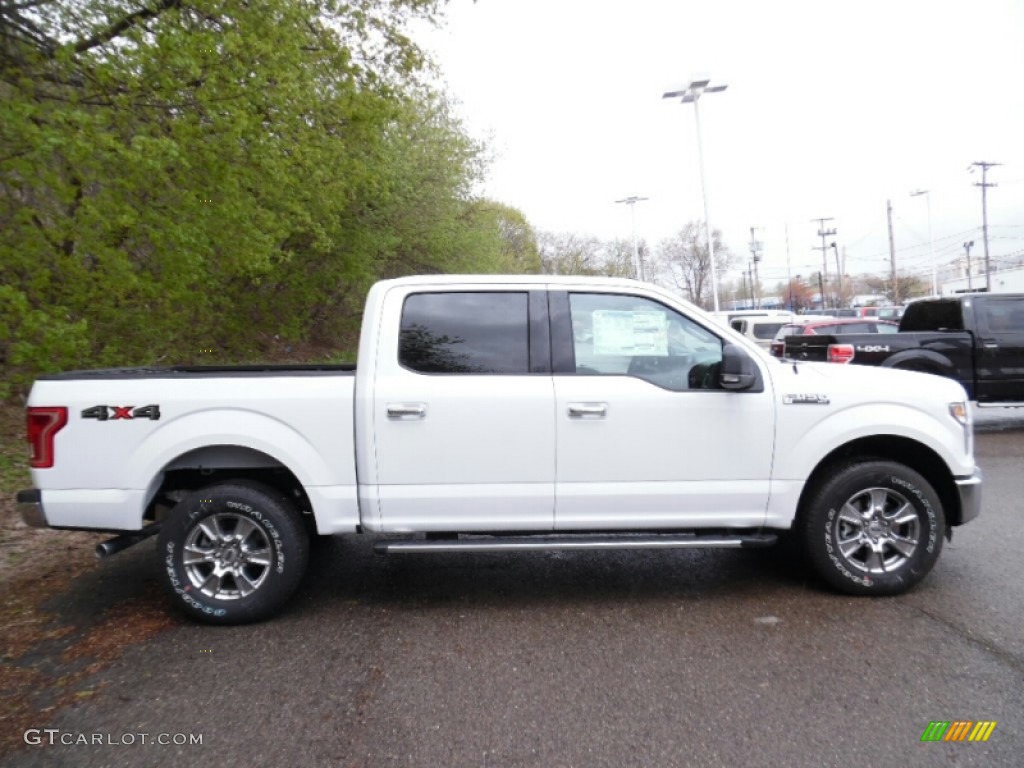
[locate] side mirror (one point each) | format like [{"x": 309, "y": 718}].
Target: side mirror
[{"x": 739, "y": 371}]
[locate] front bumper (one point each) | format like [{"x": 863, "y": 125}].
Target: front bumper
[
  {"x": 969, "y": 489},
  {"x": 30, "y": 507}
]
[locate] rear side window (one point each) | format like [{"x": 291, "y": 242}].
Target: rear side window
[
  {"x": 933, "y": 316},
  {"x": 485, "y": 332}
]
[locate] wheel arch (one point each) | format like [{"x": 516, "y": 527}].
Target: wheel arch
[
  {"x": 901, "y": 450},
  {"x": 922, "y": 360},
  {"x": 201, "y": 467}
]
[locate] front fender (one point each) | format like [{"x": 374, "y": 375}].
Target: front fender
[{"x": 800, "y": 450}]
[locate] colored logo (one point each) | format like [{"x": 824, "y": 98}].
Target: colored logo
[{"x": 958, "y": 730}]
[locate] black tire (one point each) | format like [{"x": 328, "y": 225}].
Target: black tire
[
  {"x": 873, "y": 527},
  {"x": 247, "y": 551}
]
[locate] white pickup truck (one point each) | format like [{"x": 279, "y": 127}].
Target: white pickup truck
[{"x": 506, "y": 413}]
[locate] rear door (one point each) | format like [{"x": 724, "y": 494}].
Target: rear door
[
  {"x": 1000, "y": 356},
  {"x": 463, "y": 411},
  {"x": 646, "y": 439}
]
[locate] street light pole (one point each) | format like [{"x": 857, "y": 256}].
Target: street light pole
[
  {"x": 931, "y": 242},
  {"x": 638, "y": 267},
  {"x": 692, "y": 93}
]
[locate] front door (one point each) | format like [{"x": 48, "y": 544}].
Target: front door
[
  {"x": 646, "y": 438},
  {"x": 1000, "y": 366}
]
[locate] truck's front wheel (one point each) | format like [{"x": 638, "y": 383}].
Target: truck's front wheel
[
  {"x": 873, "y": 528},
  {"x": 233, "y": 552}
]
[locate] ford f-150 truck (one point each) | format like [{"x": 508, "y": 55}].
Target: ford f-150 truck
[
  {"x": 976, "y": 339},
  {"x": 506, "y": 414}
]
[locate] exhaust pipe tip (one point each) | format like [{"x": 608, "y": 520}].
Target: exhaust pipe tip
[{"x": 125, "y": 540}]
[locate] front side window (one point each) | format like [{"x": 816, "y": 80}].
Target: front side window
[
  {"x": 485, "y": 332},
  {"x": 632, "y": 336},
  {"x": 1004, "y": 315}
]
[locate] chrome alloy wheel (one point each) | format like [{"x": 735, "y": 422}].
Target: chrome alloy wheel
[
  {"x": 227, "y": 556},
  {"x": 877, "y": 530}
]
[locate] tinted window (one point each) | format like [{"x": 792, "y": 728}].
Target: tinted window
[
  {"x": 465, "y": 333},
  {"x": 632, "y": 336},
  {"x": 788, "y": 330},
  {"x": 1004, "y": 315},
  {"x": 854, "y": 328},
  {"x": 766, "y": 330},
  {"x": 932, "y": 316}
]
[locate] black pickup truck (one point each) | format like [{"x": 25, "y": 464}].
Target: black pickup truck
[{"x": 977, "y": 339}]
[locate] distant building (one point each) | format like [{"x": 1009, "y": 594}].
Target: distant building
[{"x": 1003, "y": 281}]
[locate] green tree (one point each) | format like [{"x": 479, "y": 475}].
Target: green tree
[{"x": 179, "y": 176}]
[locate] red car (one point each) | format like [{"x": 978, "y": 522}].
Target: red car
[{"x": 834, "y": 327}]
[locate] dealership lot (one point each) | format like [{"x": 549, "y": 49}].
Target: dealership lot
[{"x": 588, "y": 659}]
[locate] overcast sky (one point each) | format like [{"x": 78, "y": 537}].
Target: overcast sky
[{"x": 831, "y": 109}]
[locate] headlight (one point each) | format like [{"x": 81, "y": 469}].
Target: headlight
[
  {"x": 959, "y": 412},
  {"x": 962, "y": 413}
]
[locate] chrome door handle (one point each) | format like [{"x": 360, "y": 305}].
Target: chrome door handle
[
  {"x": 403, "y": 410},
  {"x": 585, "y": 410},
  {"x": 991, "y": 345}
]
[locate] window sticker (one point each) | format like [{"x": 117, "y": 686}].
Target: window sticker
[{"x": 620, "y": 333}]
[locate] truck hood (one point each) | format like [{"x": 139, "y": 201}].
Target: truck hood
[{"x": 887, "y": 384}]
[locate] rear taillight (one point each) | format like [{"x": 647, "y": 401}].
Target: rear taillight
[
  {"x": 43, "y": 425},
  {"x": 840, "y": 353}
]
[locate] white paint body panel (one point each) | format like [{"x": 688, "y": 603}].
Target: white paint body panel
[
  {"x": 493, "y": 452},
  {"x": 482, "y": 456},
  {"x": 660, "y": 458},
  {"x": 304, "y": 423}
]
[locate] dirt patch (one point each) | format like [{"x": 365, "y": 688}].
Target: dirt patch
[{"x": 47, "y": 660}]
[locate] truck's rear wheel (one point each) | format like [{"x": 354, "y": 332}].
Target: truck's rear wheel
[
  {"x": 233, "y": 552},
  {"x": 873, "y": 528}
]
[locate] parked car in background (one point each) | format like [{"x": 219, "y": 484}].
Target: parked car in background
[
  {"x": 976, "y": 339},
  {"x": 835, "y": 327},
  {"x": 727, "y": 316},
  {"x": 882, "y": 313},
  {"x": 760, "y": 330}
]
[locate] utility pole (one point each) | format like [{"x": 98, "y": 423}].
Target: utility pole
[
  {"x": 755, "y": 251},
  {"x": 967, "y": 247},
  {"x": 638, "y": 265},
  {"x": 984, "y": 214},
  {"x": 839, "y": 273},
  {"x": 821, "y": 290},
  {"x": 789, "y": 272},
  {"x": 824, "y": 233},
  {"x": 892, "y": 253}
]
